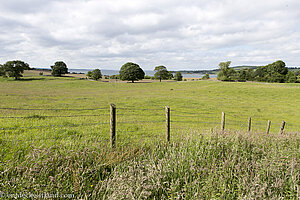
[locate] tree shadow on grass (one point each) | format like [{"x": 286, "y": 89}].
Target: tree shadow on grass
[{"x": 30, "y": 79}]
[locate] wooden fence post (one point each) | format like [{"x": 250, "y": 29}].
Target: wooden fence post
[
  {"x": 282, "y": 127},
  {"x": 113, "y": 125},
  {"x": 223, "y": 123},
  {"x": 268, "y": 127},
  {"x": 168, "y": 123},
  {"x": 249, "y": 124}
]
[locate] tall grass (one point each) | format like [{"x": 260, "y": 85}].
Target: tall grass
[{"x": 201, "y": 166}]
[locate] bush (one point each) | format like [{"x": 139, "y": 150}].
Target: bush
[
  {"x": 95, "y": 74},
  {"x": 178, "y": 76},
  {"x": 205, "y": 77}
]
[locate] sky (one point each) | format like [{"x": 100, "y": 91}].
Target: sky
[{"x": 179, "y": 34}]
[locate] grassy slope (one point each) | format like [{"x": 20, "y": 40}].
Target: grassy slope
[{"x": 75, "y": 159}]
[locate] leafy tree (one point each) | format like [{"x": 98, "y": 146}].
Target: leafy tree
[
  {"x": 261, "y": 73},
  {"x": 178, "y": 76},
  {"x": 15, "y": 68},
  {"x": 274, "y": 72},
  {"x": 226, "y": 73},
  {"x": 291, "y": 77},
  {"x": 59, "y": 68},
  {"x": 131, "y": 72},
  {"x": 95, "y": 74},
  {"x": 162, "y": 73},
  {"x": 205, "y": 77},
  {"x": 2, "y": 71},
  {"x": 89, "y": 74}
]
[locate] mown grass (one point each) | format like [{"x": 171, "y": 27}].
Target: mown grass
[{"x": 72, "y": 154}]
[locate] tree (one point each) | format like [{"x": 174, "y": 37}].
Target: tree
[
  {"x": 162, "y": 73},
  {"x": 15, "y": 68},
  {"x": 291, "y": 77},
  {"x": 205, "y": 77},
  {"x": 178, "y": 76},
  {"x": 59, "y": 68},
  {"x": 226, "y": 73},
  {"x": 131, "y": 72},
  {"x": 274, "y": 72},
  {"x": 2, "y": 71},
  {"x": 95, "y": 74}
]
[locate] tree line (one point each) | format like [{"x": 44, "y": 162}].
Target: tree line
[
  {"x": 16, "y": 68},
  {"x": 133, "y": 72},
  {"x": 276, "y": 72}
]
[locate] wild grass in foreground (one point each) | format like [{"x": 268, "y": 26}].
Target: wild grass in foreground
[{"x": 205, "y": 166}]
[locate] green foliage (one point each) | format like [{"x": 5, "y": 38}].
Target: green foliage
[
  {"x": 245, "y": 75},
  {"x": 291, "y": 77},
  {"x": 131, "y": 72},
  {"x": 178, "y": 76},
  {"x": 14, "y": 68},
  {"x": 226, "y": 73},
  {"x": 2, "y": 70},
  {"x": 276, "y": 72},
  {"x": 59, "y": 68},
  {"x": 95, "y": 74},
  {"x": 117, "y": 76},
  {"x": 162, "y": 73},
  {"x": 205, "y": 77}
]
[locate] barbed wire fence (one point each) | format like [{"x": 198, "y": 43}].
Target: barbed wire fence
[{"x": 126, "y": 124}]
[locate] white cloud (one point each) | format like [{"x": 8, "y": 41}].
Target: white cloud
[{"x": 178, "y": 34}]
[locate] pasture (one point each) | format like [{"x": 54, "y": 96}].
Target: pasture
[{"x": 56, "y": 139}]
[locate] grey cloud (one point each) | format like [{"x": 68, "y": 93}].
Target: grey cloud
[{"x": 182, "y": 34}]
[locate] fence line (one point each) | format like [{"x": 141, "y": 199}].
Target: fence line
[
  {"x": 52, "y": 108},
  {"x": 52, "y": 116},
  {"x": 249, "y": 123}
]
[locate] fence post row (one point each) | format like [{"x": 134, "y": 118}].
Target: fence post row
[
  {"x": 113, "y": 125},
  {"x": 223, "y": 123},
  {"x": 168, "y": 123}
]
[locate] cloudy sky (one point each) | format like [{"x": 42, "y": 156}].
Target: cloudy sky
[{"x": 179, "y": 34}]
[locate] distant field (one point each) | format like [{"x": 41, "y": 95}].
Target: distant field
[{"x": 196, "y": 108}]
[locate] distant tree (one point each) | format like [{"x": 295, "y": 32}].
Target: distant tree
[
  {"x": 205, "y": 77},
  {"x": 226, "y": 73},
  {"x": 89, "y": 74},
  {"x": 15, "y": 68},
  {"x": 291, "y": 77},
  {"x": 2, "y": 71},
  {"x": 171, "y": 75},
  {"x": 115, "y": 76},
  {"x": 95, "y": 74},
  {"x": 131, "y": 72},
  {"x": 274, "y": 72},
  {"x": 178, "y": 76},
  {"x": 261, "y": 73},
  {"x": 162, "y": 73},
  {"x": 59, "y": 68}
]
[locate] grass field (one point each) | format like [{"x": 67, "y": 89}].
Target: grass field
[{"x": 55, "y": 150}]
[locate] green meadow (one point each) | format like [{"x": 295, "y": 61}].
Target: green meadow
[{"x": 56, "y": 139}]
